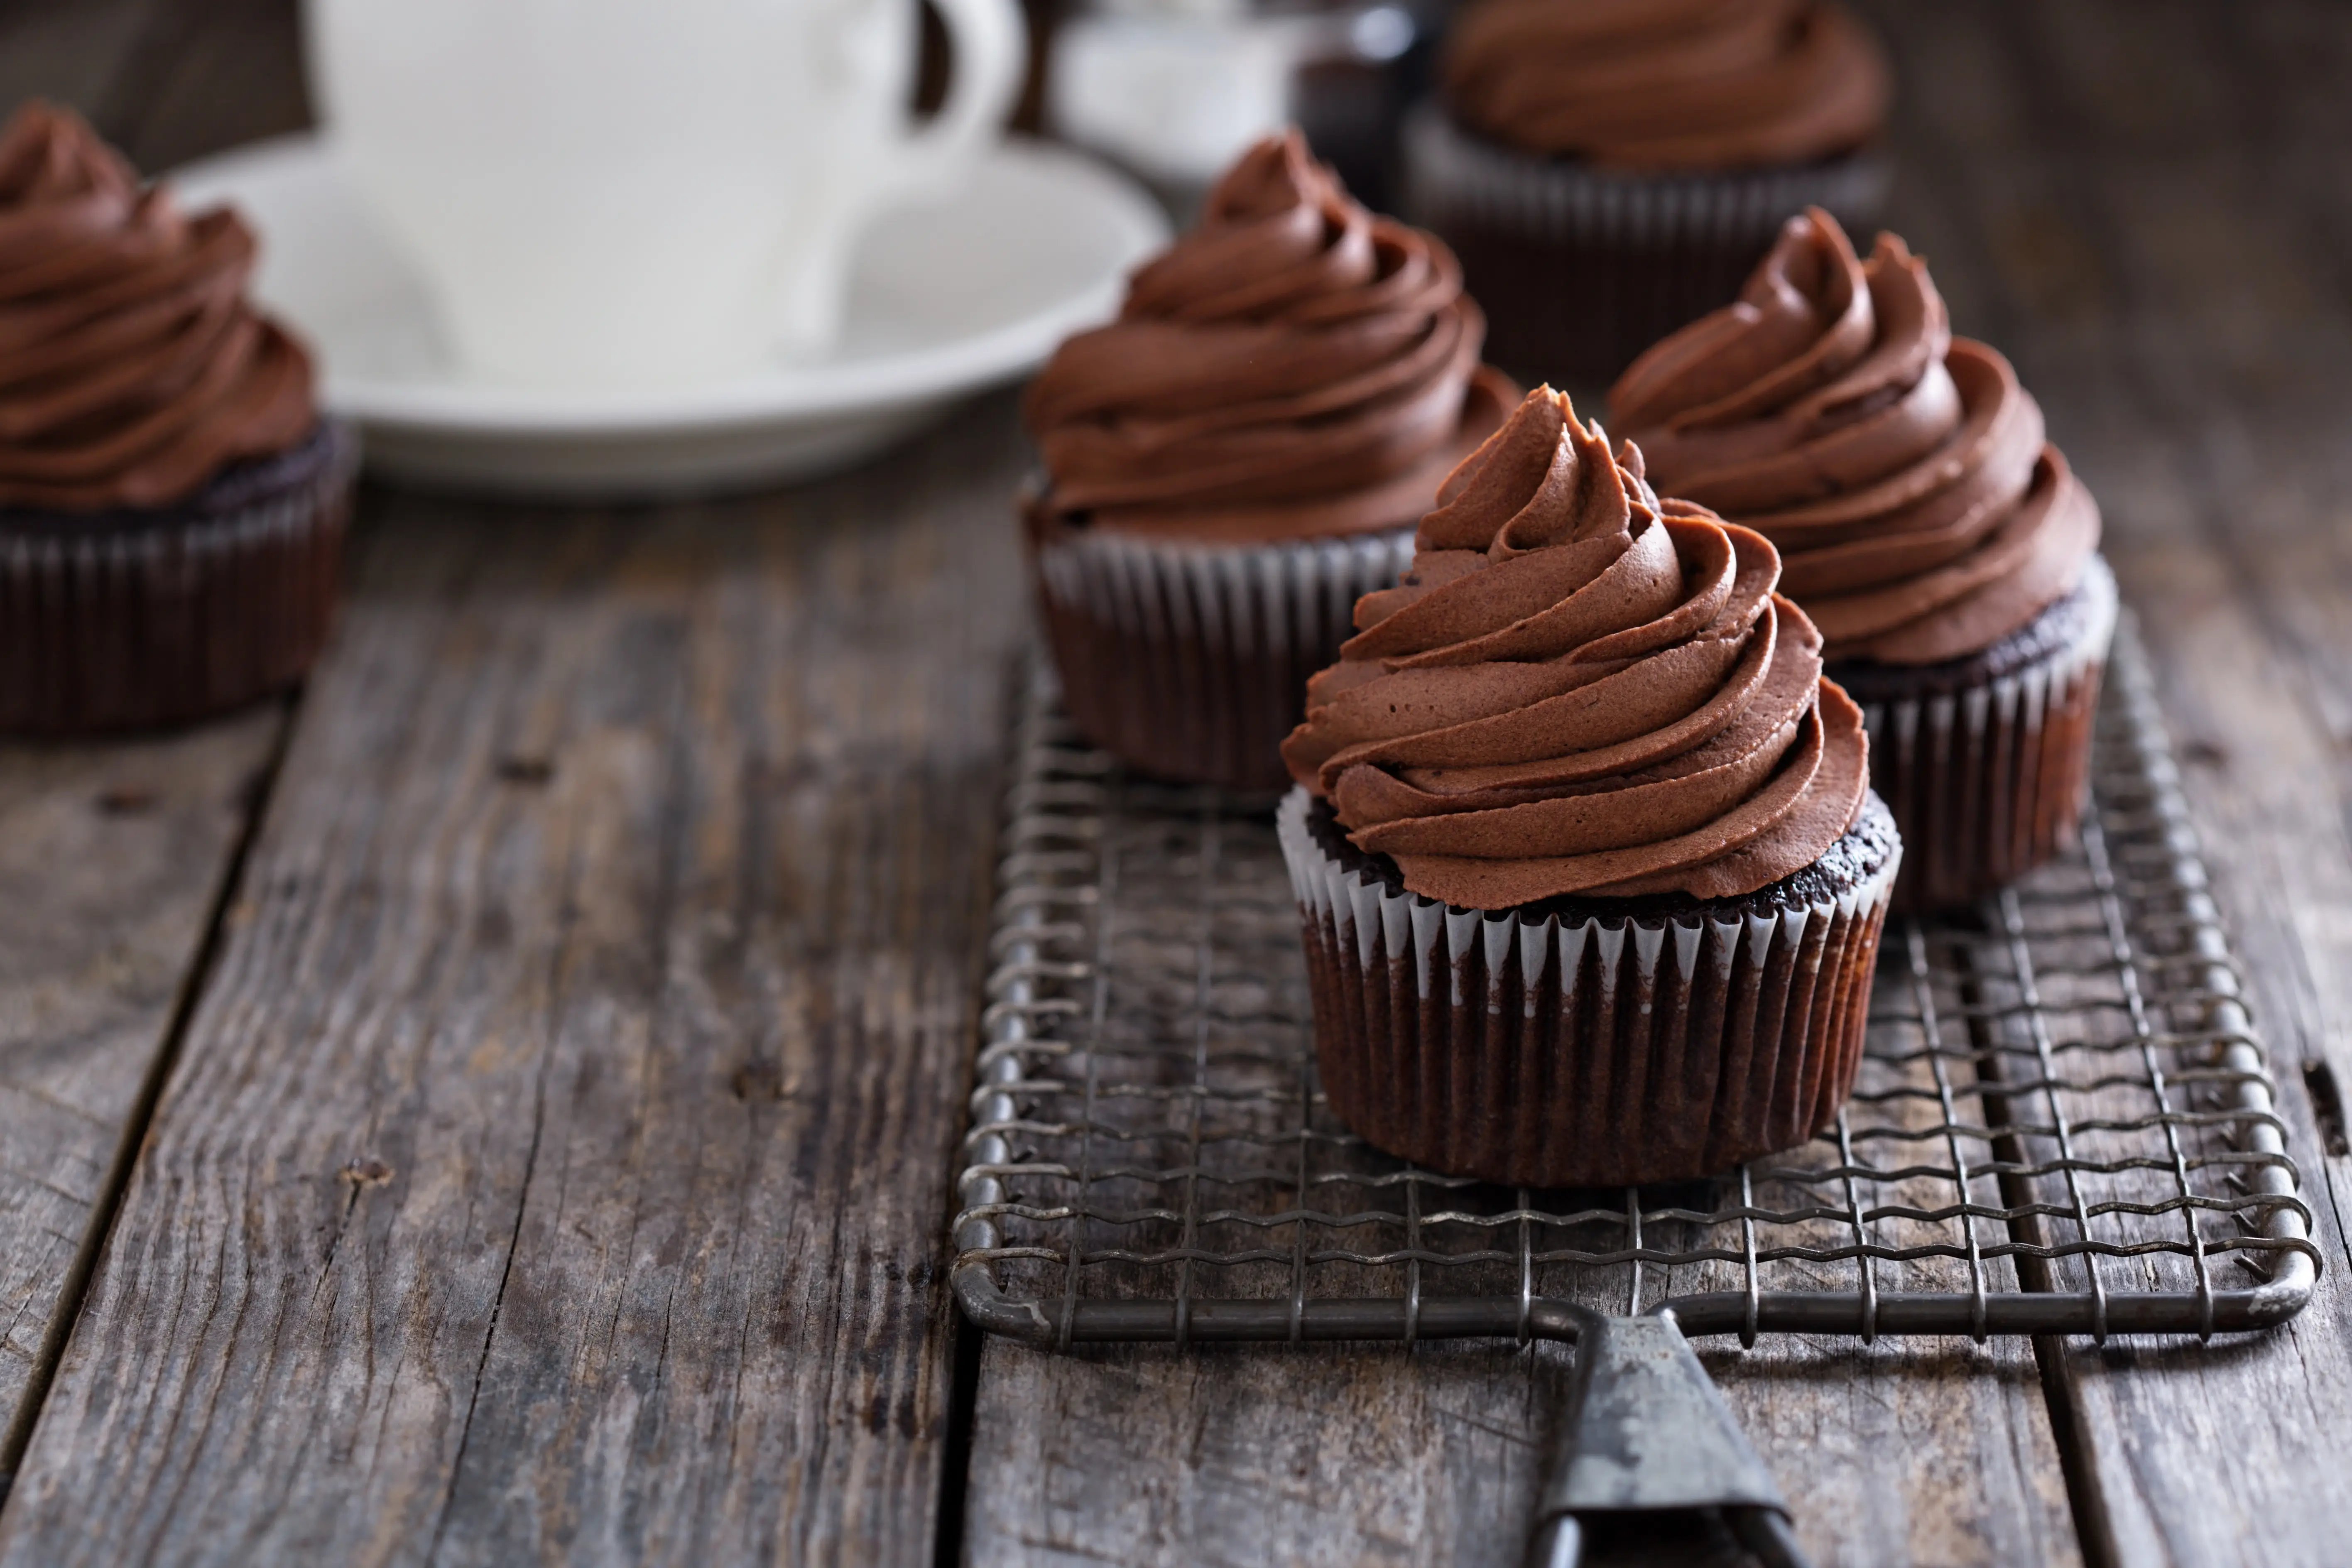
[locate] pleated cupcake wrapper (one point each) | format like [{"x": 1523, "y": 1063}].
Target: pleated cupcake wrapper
[
  {"x": 1450, "y": 171},
  {"x": 1989, "y": 782},
  {"x": 1580, "y": 269},
  {"x": 1190, "y": 662},
  {"x": 134, "y": 627},
  {"x": 1579, "y": 1053}
]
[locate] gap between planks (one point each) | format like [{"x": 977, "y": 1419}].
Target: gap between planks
[{"x": 75, "y": 1285}]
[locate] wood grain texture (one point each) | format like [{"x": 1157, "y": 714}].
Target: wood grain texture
[
  {"x": 1328, "y": 1454},
  {"x": 2232, "y": 347},
  {"x": 112, "y": 859},
  {"x": 1932, "y": 1451},
  {"x": 555, "y": 1166},
  {"x": 2141, "y": 203}
]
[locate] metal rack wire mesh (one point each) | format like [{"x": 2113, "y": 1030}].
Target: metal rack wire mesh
[{"x": 2063, "y": 1122}]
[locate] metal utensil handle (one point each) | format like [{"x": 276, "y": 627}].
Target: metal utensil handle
[
  {"x": 1647, "y": 1433},
  {"x": 1559, "y": 1542}
]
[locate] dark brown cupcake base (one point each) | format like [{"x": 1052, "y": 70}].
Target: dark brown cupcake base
[
  {"x": 1189, "y": 662},
  {"x": 1587, "y": 1043},
  {"x": 1580, "y": 269},
  {"x": 131, "y": 620},
  {"x": 1985, "y": 761}
]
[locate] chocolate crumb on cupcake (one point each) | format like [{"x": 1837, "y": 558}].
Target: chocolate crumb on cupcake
[
  {"x": 1940, "y": 542},
  {"x": 171, "y": 507},
  {"x": 1609, "y": 170},
  {"x": 1592, "y": 879},
  {"x": 1239, "y": 455}
]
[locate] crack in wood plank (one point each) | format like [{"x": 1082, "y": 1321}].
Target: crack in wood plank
[{"x": 145, "y": 891}]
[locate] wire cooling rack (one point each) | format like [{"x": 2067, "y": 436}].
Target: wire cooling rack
[{"x": 2063, "y": 1122}]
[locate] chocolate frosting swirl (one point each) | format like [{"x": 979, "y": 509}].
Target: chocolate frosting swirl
[
  {"x": 132, "y": 369},
  {"x": 1668, "y": 84},
  {"x": 1294, "y": 366},
  {"x": 1901, "y": 471},
  {"x": 1580, "y": 688}
]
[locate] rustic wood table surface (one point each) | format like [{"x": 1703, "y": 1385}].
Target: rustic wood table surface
[{"x": 500, "y": 1105}]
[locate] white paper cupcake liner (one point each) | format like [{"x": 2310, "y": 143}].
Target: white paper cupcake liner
[
  {"x": 1191, "y": 661},
  {"x": 1582, "y": 1052},
  {"x": 1990, "y": 782}
]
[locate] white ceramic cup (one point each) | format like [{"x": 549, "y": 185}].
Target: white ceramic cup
[{"x": 607, "y": 192}]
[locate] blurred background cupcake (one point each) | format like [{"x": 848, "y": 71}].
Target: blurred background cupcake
[
  {"x": 172, "y": 506},
  {"x": 1238, "y": 457},
  {"x": 1609, "y": 170},
  {"x": 1945, "y": 549}
]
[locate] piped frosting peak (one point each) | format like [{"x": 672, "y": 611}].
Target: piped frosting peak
[
  {"x": 1293, "y": 366},
  {"x": 1901, "y": 471},
  {"x": 1581, "y": 687},
  {"x": 131, "y": 368},
  {"x": 1659, "y": 85}
]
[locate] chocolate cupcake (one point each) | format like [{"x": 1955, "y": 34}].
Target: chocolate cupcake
[
  {"x": 1592, "y": 879},
  {"x": 171, "y": 507},
  {"x": 1609, "y": 170},
  {"x": 1941, "y": 544},
  {"x": 1238, "y": 457}
]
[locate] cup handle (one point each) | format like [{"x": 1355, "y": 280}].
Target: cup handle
[
  {"x": 988, "y": 53},
  {"x": 989, "y": 42}
]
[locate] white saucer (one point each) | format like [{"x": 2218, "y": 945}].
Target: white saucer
[{"x": 957, "y": 293}]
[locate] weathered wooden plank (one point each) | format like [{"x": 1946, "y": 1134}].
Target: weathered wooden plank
[
  {"x": 1928, "y": 1451},
  {"x": 555, "y": 1166},
  {"x": 2208, "y": 1455},
  {"x": 2153, "y": 205},
  {"x": 1336, "y": 1455},
  {"x": 1322, "y": 1455},
  {"x": 112, "y": 860}
]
